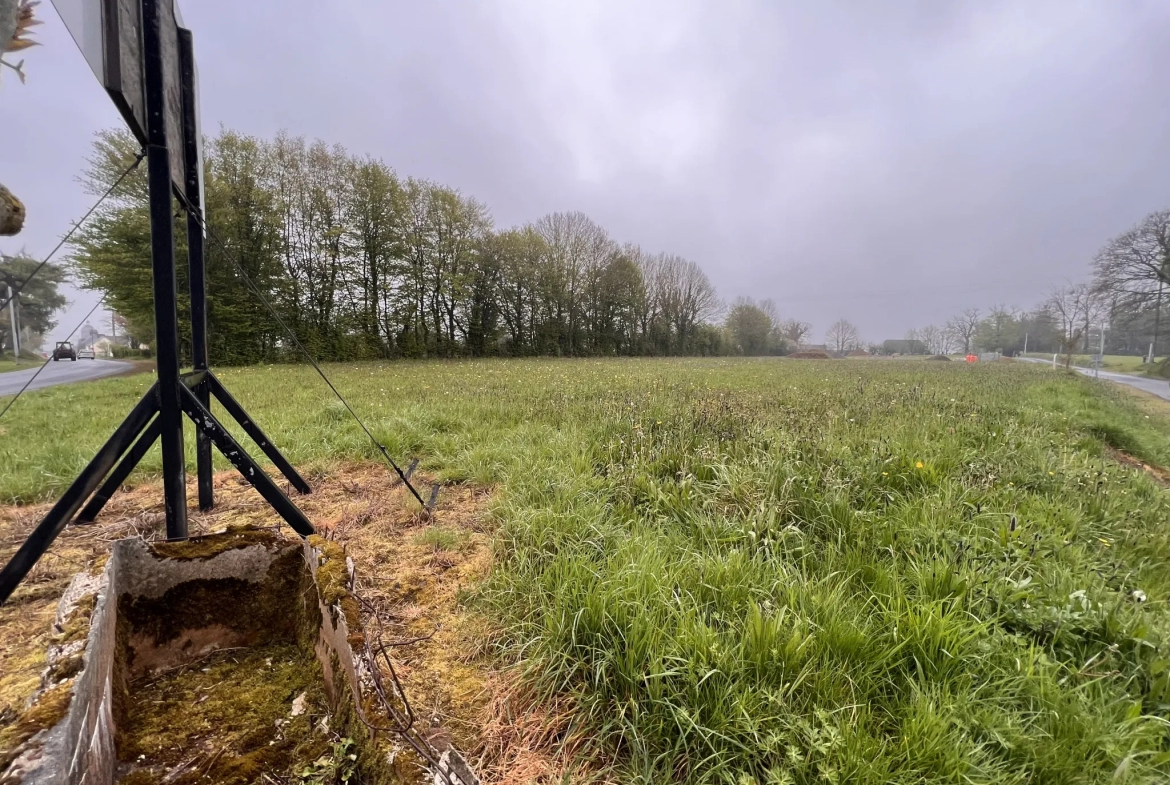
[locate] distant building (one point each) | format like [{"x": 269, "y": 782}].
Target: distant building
[
  {"x": 903, "y": 346},
  {"x": 820, "y": 347},
  {"x": 86, "y": 336},
  {"x": 102, "y": 344}
]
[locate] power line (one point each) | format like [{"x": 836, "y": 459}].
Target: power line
[
  {"x": 76, "y": 226},
  {"x": 38, "y": 373},
  {"x": 225, "y": 253}
]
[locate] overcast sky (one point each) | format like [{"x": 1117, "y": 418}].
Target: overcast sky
[{"x": 891, "y": 163}]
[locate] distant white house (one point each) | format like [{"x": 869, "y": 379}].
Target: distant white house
[{"x": 102, "y": 344}]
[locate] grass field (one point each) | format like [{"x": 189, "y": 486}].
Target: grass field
[
  {"x": 8, "y": 364},
  {"x": 1118, "y": 363},
  {"x": 772, "y": 571}
]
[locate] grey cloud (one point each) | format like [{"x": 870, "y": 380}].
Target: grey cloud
[{"x": 891, "y": 163}]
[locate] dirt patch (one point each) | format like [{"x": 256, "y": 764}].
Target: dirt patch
[
  {"x": 414, "y": 575},
  {"x": 1162, "y": 476},
  {"x": 941, "y": 358}
]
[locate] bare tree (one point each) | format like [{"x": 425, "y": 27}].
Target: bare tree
[
  {"x": 578, "y": 249},
  {"x": 937, "y": 339},
  {"x": 842, "y": 336},
  {"x": 963, "y": 327},
  {"x": 1136, "y": 264},
  {"x": 1096, "y": 307},
  {"x": 1067, "y": 306},
  {"x": 795, "y": 331}
]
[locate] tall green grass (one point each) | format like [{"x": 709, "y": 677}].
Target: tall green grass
[{"x": 776, "y": 571}]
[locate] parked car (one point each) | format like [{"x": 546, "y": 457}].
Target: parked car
[
  {"x": 64, "y": 350},
  {"x": 86, "y": 354}
]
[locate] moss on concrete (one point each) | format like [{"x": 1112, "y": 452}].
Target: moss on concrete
[
  {"x": 228, "y": 717},
  {"x": 66, "y": 667},
  {"x": 259, "y": 611},
  {"x": 219, "y": 714},
  {"x": 212, "y": 545},
  {"x": 333, "y": 586},
  {"x": 49, "y": 709},
  {"x": 76, "y": 626}
]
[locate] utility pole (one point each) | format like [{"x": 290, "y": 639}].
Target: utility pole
[
  {"x": 12, "y": 321},
  {"x": 1101, "y": 354},
  {"x": 1025, "y": 344},
  {"x": 1157, "y": 319}
]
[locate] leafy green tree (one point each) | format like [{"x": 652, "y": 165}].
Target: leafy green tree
[
  {"x": 999, "y": 331},
  {"x": 38, "y": 300},
  {"x": 751, "y": 327}
]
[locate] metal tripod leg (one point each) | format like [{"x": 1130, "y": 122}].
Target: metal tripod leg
[
  {"x": 91, "y": 476},
  {"x": 90, "y": 511},
  {"x": 253, "y": 430},
  {"x": 205, "y": 421}
]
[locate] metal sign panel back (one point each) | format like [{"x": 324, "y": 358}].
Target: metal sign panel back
[{"x": 109, "y": 35}]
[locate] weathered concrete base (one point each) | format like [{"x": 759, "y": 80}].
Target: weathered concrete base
[{"x": 160, "y": 606}]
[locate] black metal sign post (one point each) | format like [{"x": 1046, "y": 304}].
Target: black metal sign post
[
  {"x": 162, "y": 254},
  {"x": 159, "y": 414},
  {"x": 195, "y": 261}
]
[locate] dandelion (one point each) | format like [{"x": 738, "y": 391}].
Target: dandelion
[{"x": 919, "y": 464}]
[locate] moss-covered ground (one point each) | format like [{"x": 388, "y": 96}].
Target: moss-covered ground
[{"x": 228, "y": 718}]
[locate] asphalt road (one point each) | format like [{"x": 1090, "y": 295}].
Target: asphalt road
[
  {"x": 1158, "y": 387},
  {"x": 60, "y": 372}
]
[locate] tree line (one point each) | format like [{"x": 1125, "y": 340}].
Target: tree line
[{"x": 362, "y": 263}]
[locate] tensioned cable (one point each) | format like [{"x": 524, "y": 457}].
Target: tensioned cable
[
  {"x": 38, "y": 373},
  {"x": 76, "y": 226},
  {"x": 224, "y": 252}
]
